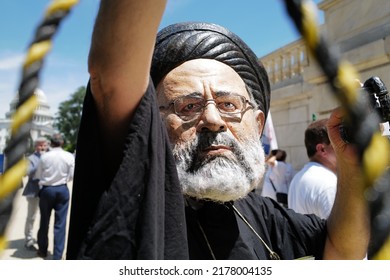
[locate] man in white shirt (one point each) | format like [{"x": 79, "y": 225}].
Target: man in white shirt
[
  {"x": 54, "y": 171},
  {"x": 313, "y": 189}
]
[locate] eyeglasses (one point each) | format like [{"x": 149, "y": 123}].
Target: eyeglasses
[{"x": 230, "y": 105}]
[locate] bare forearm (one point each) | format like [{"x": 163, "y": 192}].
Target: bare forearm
[
  {"x": 122, "y": 44},
  {"x": 120, "y": 56},
  {"x": 348, "y": 224},
  {"x": 119, "y": 63}
]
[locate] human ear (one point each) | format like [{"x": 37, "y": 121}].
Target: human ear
[
  {"x": 320, "y": 148},
  {"x": 260, "y": 121}
]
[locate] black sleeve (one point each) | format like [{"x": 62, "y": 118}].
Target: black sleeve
[{"x": 138, "y": 213}]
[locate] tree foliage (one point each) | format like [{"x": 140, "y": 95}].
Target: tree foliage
[{"x": 68, "y": 117}]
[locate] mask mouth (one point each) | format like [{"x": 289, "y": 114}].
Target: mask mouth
[
  {"x": 216, "y": 148},
  {"x": 213, "y": 140},
  {"x": 209, "y": 146}
]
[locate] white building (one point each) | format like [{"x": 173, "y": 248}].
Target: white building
[
  {"x": 360, "y": 31},
  {"x": 42, "y": 122}
]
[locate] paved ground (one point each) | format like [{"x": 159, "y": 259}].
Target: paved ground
[{"x": 15, "y": 232}]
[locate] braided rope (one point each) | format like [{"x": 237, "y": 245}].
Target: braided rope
[
  {"x": 16, "y": 164},
  {"x": 373, "y": 149}
]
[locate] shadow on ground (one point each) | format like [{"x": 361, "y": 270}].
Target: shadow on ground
[{"x": 22, "y": 252}]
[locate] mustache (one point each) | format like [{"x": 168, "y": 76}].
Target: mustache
[{"x": 207, "y": 139}]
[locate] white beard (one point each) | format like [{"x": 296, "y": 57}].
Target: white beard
[{"x": 221, "y": 178}]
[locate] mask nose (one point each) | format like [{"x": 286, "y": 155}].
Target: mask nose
[{"x": 210, "y": 119}]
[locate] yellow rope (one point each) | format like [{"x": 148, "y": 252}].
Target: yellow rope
[
  {"x": 384, "y": 252},
  {"x": 11, "y": 179},
  {"x": 3, "y": 243},
  {"x": 346, "y": 81},
  {"x": 60, "y": 5},
  {"x": 24, "y": 113},
  {"x": 37, "y": 52},
  {"x": 376, "y": 158},
  {"x": 310, "y": 32},
  {"x": 374, "y": 155}
]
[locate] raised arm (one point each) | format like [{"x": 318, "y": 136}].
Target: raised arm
[
  {"x": 119, "y": 63},
  {"x": 348, "y": 223}
]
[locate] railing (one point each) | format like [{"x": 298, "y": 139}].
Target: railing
[{"x": 286, "y": 63}]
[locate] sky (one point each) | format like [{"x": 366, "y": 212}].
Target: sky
[{"x": 263, "y": 24}]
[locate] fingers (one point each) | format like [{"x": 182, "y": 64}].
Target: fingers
[
  {"x": 344, "y": 152},
  {"x": 333, "y": 126}
]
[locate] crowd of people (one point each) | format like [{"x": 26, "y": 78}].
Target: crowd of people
[
  {"x": 49, "y": 171},
  {"x": 169, "y": 155}
]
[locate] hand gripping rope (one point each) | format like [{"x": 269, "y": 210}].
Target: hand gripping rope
[
  {"x": 373, "y": 149},
  {"x": 16, "y": 164}
]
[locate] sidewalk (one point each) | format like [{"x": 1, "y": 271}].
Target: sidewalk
[{"x": 15, "y": 232}]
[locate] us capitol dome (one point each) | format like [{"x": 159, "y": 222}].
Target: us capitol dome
[{"x": 42, "y": 121}]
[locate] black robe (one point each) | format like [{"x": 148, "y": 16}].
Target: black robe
[
  {"x": 139, "y": 212},
  {"x": 289, "y": 234}
]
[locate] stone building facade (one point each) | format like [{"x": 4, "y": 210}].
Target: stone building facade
[{"x": 360, "y": 32}]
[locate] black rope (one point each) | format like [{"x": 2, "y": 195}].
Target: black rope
[
  {"x": 361, "y": 122},
  {"x": 15, "y": 164}
]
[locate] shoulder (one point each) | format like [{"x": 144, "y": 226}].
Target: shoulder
[
  {"x": 321, "y": 176},
  {"x": 33, "y": 158},
  {"x": 312, "y": 171},
  {"x": 290, "y": 168},
  {"x": 275, "y": 215},
  {"x": 67, "y": 155},
  {"x": 259, "y": 205},
  {"x": 45, "y": 155}
]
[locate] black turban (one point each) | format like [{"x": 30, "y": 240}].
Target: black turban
[{"x": 182, "y": 42}]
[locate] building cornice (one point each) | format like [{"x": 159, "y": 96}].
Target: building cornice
[{"x": 327, "y": 4}]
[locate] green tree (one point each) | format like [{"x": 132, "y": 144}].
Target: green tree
[{"x": 68, "y": 117}]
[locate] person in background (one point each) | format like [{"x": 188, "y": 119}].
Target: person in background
[
  {"x": 277, "y": 177},
  {"x": 54, "y": 171},
  {"x": 31, "y": 191},
  {"x": 313, "y": 188}
]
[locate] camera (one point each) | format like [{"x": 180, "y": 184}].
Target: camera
[
  {"x": 379, "y": 96},
  {"x": 378, "y": 99}
]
